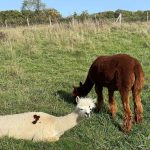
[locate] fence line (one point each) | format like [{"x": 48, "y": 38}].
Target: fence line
[{"x": 120, "y": 19}]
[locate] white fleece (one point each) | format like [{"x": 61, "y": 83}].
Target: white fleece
[{"x": 39, "y": 126}]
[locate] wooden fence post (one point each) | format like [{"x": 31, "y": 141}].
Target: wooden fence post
[
  {"x": 28, "y": 22},
  {"x": 147, "y": 17},
  {"x": 119, "y": 19},
  {"x": 73, "y": 20},
  {"x": 95, "y": 18},
  {"x": 50, "y": 21},
  {"x": 6, "y": 24}
]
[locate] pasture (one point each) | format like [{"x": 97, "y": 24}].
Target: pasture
[{"x": 40, "y": 64}]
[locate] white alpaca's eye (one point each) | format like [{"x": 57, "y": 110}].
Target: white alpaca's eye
[{"x": 81, "y": 109}]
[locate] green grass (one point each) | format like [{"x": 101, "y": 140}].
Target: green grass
[{"x": 39, "y": 65}]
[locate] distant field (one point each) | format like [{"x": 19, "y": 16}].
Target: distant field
[{"x": 40, "y": 64}]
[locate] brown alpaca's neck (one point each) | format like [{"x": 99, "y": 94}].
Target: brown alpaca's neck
[{"x": 86, "y": 87}]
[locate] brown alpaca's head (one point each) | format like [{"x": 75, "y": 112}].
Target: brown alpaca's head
[{"x": 78, "y": 91}]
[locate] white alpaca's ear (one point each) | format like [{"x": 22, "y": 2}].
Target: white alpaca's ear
[
  {"x": 94, "y": 105},
  {"x": 77, "y": 99},
  {"x": 94, "y": 101}
]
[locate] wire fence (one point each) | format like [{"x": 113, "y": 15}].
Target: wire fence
[{"x": 48, "y": 21}]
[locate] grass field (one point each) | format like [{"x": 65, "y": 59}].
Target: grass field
[{"x": 39, "y": 65}]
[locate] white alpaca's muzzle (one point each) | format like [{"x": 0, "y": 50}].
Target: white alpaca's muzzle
[{"x": 87, "y": 115}]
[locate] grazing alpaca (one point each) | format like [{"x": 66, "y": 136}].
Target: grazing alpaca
[
  {"x": 117, "y": 72},
  {"x": 39, "y": 126}
]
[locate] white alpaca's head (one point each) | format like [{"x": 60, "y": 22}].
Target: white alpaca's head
[{"x": 84, "y": 106}]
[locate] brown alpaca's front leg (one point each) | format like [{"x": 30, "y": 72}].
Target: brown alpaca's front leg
[
  {"x": 100, "y": 100},
  {"x": 112, "y": 105},
  {"x": 127, "y": 122}
]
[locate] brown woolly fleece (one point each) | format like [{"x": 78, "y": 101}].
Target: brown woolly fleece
[{"x": 121, "y": 73}]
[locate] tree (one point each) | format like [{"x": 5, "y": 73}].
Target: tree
[
  {"x": 32, "y": 5},
  {"x": 75, "y": 15},
  {"x": 84, "y": 15}
]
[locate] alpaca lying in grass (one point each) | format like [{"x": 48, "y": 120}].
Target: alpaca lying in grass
[{"x": 39, "y": 126}]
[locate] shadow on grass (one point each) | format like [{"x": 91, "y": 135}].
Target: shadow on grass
[
  {"x": 114, "y": 121},
  {"x": 66, "y": 96},
  {"x": 116, "y": 124}
]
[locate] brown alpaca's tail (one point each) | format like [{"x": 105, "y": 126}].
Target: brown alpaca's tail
[
  {"x": 137, "y": 88},
  {"x": 139, "y": 77}
]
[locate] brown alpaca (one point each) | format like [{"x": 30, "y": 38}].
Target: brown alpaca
[{"x": 121, "y": 73}]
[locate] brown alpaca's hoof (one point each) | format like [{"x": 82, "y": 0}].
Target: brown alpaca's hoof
[
  {"x": 127, "y": 124},
  {"x": 126, "y": 129},
  {"x": 113, "y": 115},
  {"x": 113, "y": 110},
  {"x": 96, "y": 110},
  {"x": 138, "y": 118}
]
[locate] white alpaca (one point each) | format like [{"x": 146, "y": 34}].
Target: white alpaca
[{"x": 39, "y": 126}]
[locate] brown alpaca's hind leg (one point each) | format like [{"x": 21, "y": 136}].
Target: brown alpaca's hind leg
[
  {"x": 112, "y": 105},
  {"x": 127, "y": 122},
  {"x": 138, "y": 108},
  {"x": 100, "y": 100}
]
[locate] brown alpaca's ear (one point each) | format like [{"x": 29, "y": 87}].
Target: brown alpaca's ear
[
  {"x": 81, "y": 84},
  {"x": 74, "y": 91}
]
